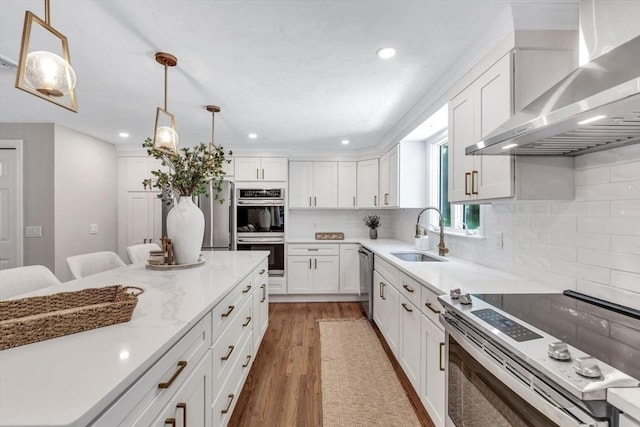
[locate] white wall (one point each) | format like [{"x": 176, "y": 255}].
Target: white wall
[
  {"x": 86, "y": 178},
  {"x": 591, "y": 244}
]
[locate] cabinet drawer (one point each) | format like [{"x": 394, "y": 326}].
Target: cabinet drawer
[
  {"x": 227, "y": 348},
  {"x": 141, "y": 403},
  {"x": 410, "y": 288},
  {"x": 387, "y": 270},
  {"x": 313, "y": 249},
  {"x": 260, "y": 274},
  {"x": 224, "y": 313},
  {"x": 430, "y": 306},
  {"x": 229, "y": 392}
]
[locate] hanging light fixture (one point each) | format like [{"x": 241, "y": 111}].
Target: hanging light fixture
[
  {"x": 41, "y": 72},
  {"x": 165, "y": 137},
  {"x": 213, "y": 109}
]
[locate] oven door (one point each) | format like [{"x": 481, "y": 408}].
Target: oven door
[
  {"x": 486, "y": 387},
  {"x": 275, "y": 246}
]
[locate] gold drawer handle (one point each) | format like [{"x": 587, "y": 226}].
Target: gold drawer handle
[
  {"x": 229, "y": 310},
  {"x": 407, "y": 308},
  {"x": 382, "y": 285},
  {"x": 245, "y": 324},
  {"x": 230, "y": 397},
  {"x": 467, "y": 175},
  {"x": 181, "y": 365},
  {"x": 247, "y": 362},
  {"x": 264, "y": 293},
  {"x": 183, "y": 406},
  {"x": 170, "y": 421},
  {"x": 263, "y": 271},
  {"x": 441, "y": 347},
  {"x": 247, "y": 289},
  {"x": 228, "y": 355},
  {"x": 428, "y": 304},
  {"x": 474, "y": 174},
  {"x": 404, "y": 285}
]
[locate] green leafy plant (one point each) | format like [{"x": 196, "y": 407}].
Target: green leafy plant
[
  {"x": 189, "y": 171},
  {"x": 372, "y": 221}
]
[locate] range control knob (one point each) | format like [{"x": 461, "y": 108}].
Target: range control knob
[
  {"x": 465, "y": 299},
  {"x": 455, "y": 293},
  {"x": 587, "y": 367},
  {"x": 559, "y": 351}
]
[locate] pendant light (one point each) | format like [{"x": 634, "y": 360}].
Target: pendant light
[
  {"x": 41, "y": 72},
  {"x": 213, "y": 109},
  {"x": 165, "y": 137}
]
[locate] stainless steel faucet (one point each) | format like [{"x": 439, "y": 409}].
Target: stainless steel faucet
[{"x": 442, "y": 249}]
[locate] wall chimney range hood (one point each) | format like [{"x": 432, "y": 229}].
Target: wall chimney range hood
[{"x": 596, "y": 107}]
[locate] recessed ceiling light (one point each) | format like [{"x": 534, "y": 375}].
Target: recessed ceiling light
[
  {"x": 123, "y": 134},
  {"x": 386, "y": 52},
  {"x": 345, "y": 142},
  {"x": 252, "y": 135}
]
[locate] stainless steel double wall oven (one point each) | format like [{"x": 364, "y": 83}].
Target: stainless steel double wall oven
[{"x": 260, "y": 223}]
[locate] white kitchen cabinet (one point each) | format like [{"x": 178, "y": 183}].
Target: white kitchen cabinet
[
  {"x": 368, "y": 183},
  {"x": 260, "y": 168},
  {"x": 408, "y": 346},
  {"x": 432, "y": 376},
  {"x": 403, "y": 176},
  {"x": 627, "y": 421},
  {"x": 260, "y": 304},
  {"x": 349, "y": 269},
  {"x": 505, "y": 87},
  {"x": 385, "y": 308},
  {"x": 144, "y": 217},
  {"x": 347, "y": 184},
  {"x": 389, "y": 178},
  {"x": 313, "y": 269},
  {"x": 313, "y": 184}
]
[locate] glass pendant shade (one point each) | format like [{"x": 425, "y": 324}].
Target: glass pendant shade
[
  {"x": 165, "y": 137},
  {"x": 49, "y": 74}
]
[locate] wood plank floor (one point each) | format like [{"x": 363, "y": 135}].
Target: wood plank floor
[{"x": 283, "y": 387}]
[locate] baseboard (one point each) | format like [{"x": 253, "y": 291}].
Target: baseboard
[{"x": 313, "y": 298}]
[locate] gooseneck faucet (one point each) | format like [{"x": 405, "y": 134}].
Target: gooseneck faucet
[{"x": 442, "y": 249}]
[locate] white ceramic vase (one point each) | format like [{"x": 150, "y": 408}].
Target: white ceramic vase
[{"x": 185, "y": 228}]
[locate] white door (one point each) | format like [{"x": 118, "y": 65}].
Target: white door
[
  {"x": 394, "y": 160},
  {"x": 247, "y": 168},
  {"x": 325, "y": 184},
  {"x": 349, "y": 269},
  {"x": 299, "y": 275},
  {"x": 432, "y": 379},
  {"x": 347, "y": 179},
  {"x": 409, "y": 350},
  {"x": 368, "y": 183},
  {"x": 300, "y": 184},
  {"x": 460, "y": 136},
  {"x": 10, "y": 204},
  {"x": 273, "y": 169},
  {"x": 326, "y": 274},
  {"x": 384, "y": 180}
]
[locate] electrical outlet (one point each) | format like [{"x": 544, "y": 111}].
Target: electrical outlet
[
  {"x": 498, "y": 241},
  {"x": 93, "y": 228},
  {"x": 33, "y": 231}
]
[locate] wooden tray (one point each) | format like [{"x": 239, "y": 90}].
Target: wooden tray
[
  {"x": 330, "y": 236},
  {"x": 175, "y": 266},
  {"x": 28, "y": 320}
]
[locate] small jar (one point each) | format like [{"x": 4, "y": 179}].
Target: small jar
[{"x": 156, "y": 257}]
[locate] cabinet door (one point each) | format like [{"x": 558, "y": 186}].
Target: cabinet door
[
  {"x": 325, "y": 184},
  {"x": 460, "y": 136},
  {"x": 349, "y": 269},
  {"x": 263, "y": 294},
  {"x": 347, "y": 184},
  {"x": 384, "y": 179},
  {"x": 379, "y": 300},
  {"x": 493, "y": 98},
  {"x": 300, "y": 184},
  {"x": 247, "y": 168},
  {"x": 392, "y": 317},
  {"x": 139, "y": 217},
  {"x": 299, "y": 275},
  {"x": 273, "y": 169},
  {"x": 155, "y": 233},
  {"x": 432, "y": 379},
  {"x": 368, "y": 183},
  {"x": 326, "y": 274},
  {"x": 394, "y": 161},
  {"x": 409, "y": 346}
]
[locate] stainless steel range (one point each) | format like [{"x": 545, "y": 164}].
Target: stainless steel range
[{"x": 537, "y": 359}]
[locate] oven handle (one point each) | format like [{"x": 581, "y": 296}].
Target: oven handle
[
  {"x": 258, "y": 242},
  {"x": 258, "y": 202},
  {"x": 554, "y": 406}
]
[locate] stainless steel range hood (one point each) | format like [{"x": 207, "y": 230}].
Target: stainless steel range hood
[{"x": 595, "y": 107}]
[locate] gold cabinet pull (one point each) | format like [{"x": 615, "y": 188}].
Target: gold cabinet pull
[
  {"x": 309, "y": 263},
  {"x": 262, "y": 173},
  {"x": 247, "y": 289},
  {"x": 386, "y": 198},
  {"x": 410, "y": 310},
  {"x": 183, "y": 406},
  {"x": 264, "y": 293},
  {"x": 354, "y": 201},
  {"x": 382, "y": 285},
  {"x": 315, "y": 201},
  {"x": 181, "y": 365},
  {"x": 229, "y": 402},
  {"x": 264, "y": 270},
  {"x": 170, "y": 421},
  {"x": 228, "y": 355},
  {"x": 430, "y": 307},
  {"x": 257, "y": 174},
  {"x": 407, "y": 287},
  {"x": 474, "y": 175},
  {"x": 315, "y": 262},
  {"x": 229, "y": 310},
  {"x": 245, "y": 364},
  {"x": 245, "y": 324},
  {"x": 467, "y": 175},
  {"x": 375, "y": 200},
  {"x": 309, "y": 200},
  {"x": 441, "y": 347}
]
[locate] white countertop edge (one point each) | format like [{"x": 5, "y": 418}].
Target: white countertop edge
[{"x": 627, "y": 400}]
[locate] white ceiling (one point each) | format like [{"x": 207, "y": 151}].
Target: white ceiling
[{"x": 303, "y": 75}]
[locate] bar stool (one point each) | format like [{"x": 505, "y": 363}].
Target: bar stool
[{"x": 92, "y": 263}]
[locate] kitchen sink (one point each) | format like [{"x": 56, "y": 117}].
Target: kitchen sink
[{"x": 416, "y": 257}]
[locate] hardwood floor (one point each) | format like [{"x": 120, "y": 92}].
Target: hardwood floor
[{"x": 283, "y": 387}]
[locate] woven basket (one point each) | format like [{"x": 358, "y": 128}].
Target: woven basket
[{"x": 27, "y": 320}]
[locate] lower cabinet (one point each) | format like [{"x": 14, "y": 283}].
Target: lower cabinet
[
  {"x": 409, "y": 346},
  {"x": 349, "y": 269},
  {"x": 313, "y": 269},
  {"x": 385, "y": 310},
  {"x": 432, "y": 381}
]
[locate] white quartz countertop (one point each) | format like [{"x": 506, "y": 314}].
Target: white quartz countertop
[
  {"x": 70, "y": 380},
  {"x": 626, "y": 399}
]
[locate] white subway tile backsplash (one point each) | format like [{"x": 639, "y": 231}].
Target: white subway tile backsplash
[
  {"x": 581, "y": 271},
  {"x": 627, "y": 281},
  {"x": 611, "y": 260},
  {"x": 580, "y": 240},
  {"x": 592, "y": 176},
  {"x": 619, "y": 296},
  {"x": 625, "y": 172},
  {"x": 628, "y": 208},
  {"x": 584, "y": 208},
  {"x": 608, "y": 225},
  {"x": 611, "y": 191},
  {"x": 625, "y": 244},
  {"x": 560, "y": 223},
  {"x": 630, "y": 153},
  {"x": 555, "y": 252}
]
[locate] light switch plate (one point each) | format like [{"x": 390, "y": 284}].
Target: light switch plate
[{"x": 33, "y": 231}]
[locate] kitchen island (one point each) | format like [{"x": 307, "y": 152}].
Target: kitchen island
[{"x": 78, "y": 379}]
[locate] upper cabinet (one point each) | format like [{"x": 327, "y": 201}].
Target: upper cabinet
[
  {"x": 504, "y": 87},
  {"x": 313, "y": 184},
  {"x": 403, "y": 173},
  {"x": 368, "y": 184},
  {"x": 347, "y": 184},
  {"x": 260, "y": 168}
]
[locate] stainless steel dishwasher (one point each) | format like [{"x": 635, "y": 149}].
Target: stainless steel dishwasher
[{"x": 366, "y": 280}]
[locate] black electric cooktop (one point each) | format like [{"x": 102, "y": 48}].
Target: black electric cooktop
[{"x": 606, "y": 331}]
